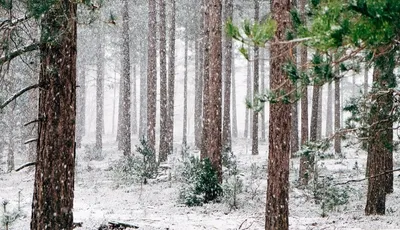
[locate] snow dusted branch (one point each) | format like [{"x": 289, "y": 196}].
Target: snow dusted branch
[
  {"x": 18, "y": 52},
  {"x": 366, "y": 178},
  {"x": 16, "y": 95}
]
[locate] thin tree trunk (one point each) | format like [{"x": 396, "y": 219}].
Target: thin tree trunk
[
  {"x": 163, "y": 152},
  {"x": 314, "y": 113},
  {"x": 212, "y": 118},
  {"x": 152, "y": 76},
  {"x": 233, "y": 106},
  {"x": 206, "y": 74},
  {"x": 100, "y": 96},
  {"x": 262, "y": 79},
  {"x": 248, "y": 97},
  {"x": 226, "y": 132},
  {"x": 199, "y": 83},
  {"x": 337, "y": 142},
  {"x": 304, "y": 163},
  {"x": 277, "y": 208},
  {"x": 366, "y": 79},
  {"x": 53, "y": 195},
  {"x": 329, "y": 117},
  {"x": 319, "y": 117},
  {"x": 126, "y": 83},
  {"x": 185, "y": 87},
  {"x": 11, "y": 146},
  {"x": 134, "y": 102},
  {"x": 81, "y": 102},
  {"x": 143, "y": 93},
  {"x": 254, "y": 146}
]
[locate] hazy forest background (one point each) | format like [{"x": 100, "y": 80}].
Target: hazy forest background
[{"x": 181, "y": 114}]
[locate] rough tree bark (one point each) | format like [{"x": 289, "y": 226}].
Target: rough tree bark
[
  {"x": 212, "y": 118},
  {"x": 171, "y": 77},
  {"x": 277, "y": 210},
  {"x": 53, "y": 193},
  {"x": 226, "y": 132},
  {"x": 304, "y": 164},
  {"x": 126, "y": 83},
  {"x": 254, "y": 145},
  {"x": 163, "y": 152},
  {"x": 380, "y": 141},
  {"x": 152, "y": 76}
]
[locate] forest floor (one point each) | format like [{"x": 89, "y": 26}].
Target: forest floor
[{"x": 99, "y": 198}]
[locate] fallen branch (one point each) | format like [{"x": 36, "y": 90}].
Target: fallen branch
[
  {"x": 25, "y": 165},
  {"x": 366, "y": 178},
  {"x": 119, "y": 225},
  {"x": 16, "y": 95}
]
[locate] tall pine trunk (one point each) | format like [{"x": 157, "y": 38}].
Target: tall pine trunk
[
  {"x": 53, "y": 195},
  {"x": 233, "y": 106},
  {"x": 277, "y": 208},
  {"x": 143, "y": 93},
  {"x": 185, "y": 87},
  {"x": 380, "y": 141},
  {"x": 100, "y": 95},
  {"x": 199, "y": 82},
  {"x": 212, "y": 118},
  {"x": 126, "y": 84},
  {"x": 337, "y": 141},
  {"x": 226, "y": 132},
  {"x": 329, "y": 117},
  {"x": 262, "y": 80},
  {"x": 152, "y": 76},
  {"x": 163, "y": 152},
  {"x": 81, "y": 106},
  {"x": 171, "y": 77},
  {"x": 247, "y": 128},
  {"x": 254, "y": 145}
]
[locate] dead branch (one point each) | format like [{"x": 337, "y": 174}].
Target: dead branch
[
  {"x": 366, "y": 178},
  {"x": 30, "y": 141},
  {"x": 18, "y": 52},
  {"x": 25, "y": 165},
  {"x": 16, "y": 95},
  {"x": 31, "y": 122}
]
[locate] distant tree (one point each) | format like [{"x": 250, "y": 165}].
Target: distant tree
[
  {"x": 152, "y": 76},
  {"x": 143, "y": 91},
  {"x": 171, "y": 76},
  {"x": 329, "y": 106},
  {"x": 199, "y": 81},
  {"x": 126, "y": 83},
  {"x": 226, "y": 132},
  {"x": 185, "y": 88},
  {"x": 100, "y": 91},
  {"x": 163, "y": 152},
  {"x": 233, "y": 106},
  {"x": 256, "y": 77},
  {"x": 247, "y": 128}
]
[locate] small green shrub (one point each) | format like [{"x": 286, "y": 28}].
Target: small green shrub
[
  {"x": 201, "y": 183},
  {"x": 138, "y": 168}
]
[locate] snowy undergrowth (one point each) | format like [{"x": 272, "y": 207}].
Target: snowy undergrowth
[{"x": 157, "y": 206}]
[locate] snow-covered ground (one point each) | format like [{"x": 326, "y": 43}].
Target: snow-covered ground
[{"x": 99, "y": 198}]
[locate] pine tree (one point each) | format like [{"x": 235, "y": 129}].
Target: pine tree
[{"x": 163, "y": 153}]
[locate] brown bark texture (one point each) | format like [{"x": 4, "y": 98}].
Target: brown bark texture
[
  {"x": 277, "y": 210},
  {"x": 53, "y": 194},
  {"x": 212, "y": 118},
  {"x": 256, "y": 77},
  {"x": 163, "y": 152}
]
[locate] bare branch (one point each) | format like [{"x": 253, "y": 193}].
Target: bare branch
[
  {"x": 25, "y": 165},
  {"x": 31, "y": 122},
  {"x": 15, "y": 96},
  {"x": 18, "y": 52},
  {"x": 366, "y": 178},
  {"x": 30, "y": 141}
]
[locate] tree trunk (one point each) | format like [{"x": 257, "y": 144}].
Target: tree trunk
[
  {"x": 337, "y": 142},
  {"x": 185, "y": 87},
  {"x": 143, "y": 93},
  {"x": 329, "y": 116},
  {"x": 254, "y": 146},
  {"x": 100, "y": 95},
  {"x": 171, "y": 77},
  {"x": 53, "y": 193},
  {"x": 152, "y": 76},
  {"x": 11, "y": 147},
  {"x": 81, "y": 103},
  {"x": 366, "y": 79},
  {"x": 163, "y": 152},
  {"x": 199, "y": 83},
  {"x": 206, "y": 74},
  {"x": 126, "y": 84},
  {"x": 248, "y": 97},
  {"x": 226, "y": 132},
  {"x": 304, "y": 164},
  {"x": 319, "y": 117},
  {"x": 277, "y": 208},
  {"x": 314, "y": 113},
  {"x": 380, "y": 141},
  {"x": 134, "y": 127},
  {"x": 233, "y": 106},
  {"x": 262, "y": 79},
  {"x": 212, "y": 118}
]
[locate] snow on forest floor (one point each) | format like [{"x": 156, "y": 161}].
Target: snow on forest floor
[{"x": 99, "y": 198}]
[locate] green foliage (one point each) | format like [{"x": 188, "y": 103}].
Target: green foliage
[
  {"x": 139, "y": 168},
  {"x": 202, "y": 184}
]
